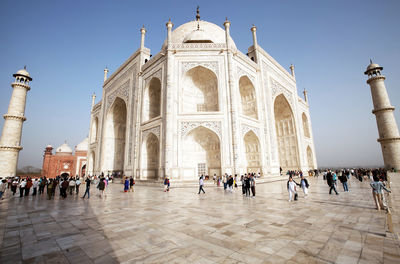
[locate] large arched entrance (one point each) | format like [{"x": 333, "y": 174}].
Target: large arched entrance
[
  {"x": 310, "y": 158},
  {"x": 253, "y": 152},
  {"x": 200, "y": 91},
  {"x": 248, "y": 97},
  {"x": 306, "y": 127},
  {"x": 150, "y": 157},
  {"x": 152, "y": 100},
  {"x": 201, "y": 154},
  {"x": 286, "y": 135},
  {"x": 93, "y": 136},
  {"x": 114, "y": 139}
]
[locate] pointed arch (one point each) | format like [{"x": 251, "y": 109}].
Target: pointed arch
[
  {"x": 286, "y": 134},
  {"x": 114, "y": 137},
  {"x": 310, "y": 158},
  {"x": 152, "y": 100},
  {"x": 253, "y": 152},
  {"x": 150, "y": 157},
  {"x": 202, "y": 153},
  {"x": 306, "y": 126},
  {"x": 92, "y": 159},
  {"x": 248, "y": 97},
  {"x": 200, "y": 91}
]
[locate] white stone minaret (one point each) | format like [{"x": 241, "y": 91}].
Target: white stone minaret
[
  {"x": 10, "y": 142},
  {"x": 388, "y": 132}
]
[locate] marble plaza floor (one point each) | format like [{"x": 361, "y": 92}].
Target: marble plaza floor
[{"x": 150, "y": 226}]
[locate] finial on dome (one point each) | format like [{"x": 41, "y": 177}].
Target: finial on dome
[
  {"x": 198, "y": 13},
  {"x": 370, "y": 61},
  {"x": 25, "y": 67}
]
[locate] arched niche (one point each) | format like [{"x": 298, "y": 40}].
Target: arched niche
[
  {"x": 286, "y": 134},
  {"x": 253, "y": 152},
  {"x": 150, "y": 157},
  {"x": 248, "y": 97},
  {"x": 306, "y": 127},
  {"x": 310, "y": 158},
  {"x": 93, "y": 136},
  {"x": 200, "y": 91},
  {"x": 152, "y": 100},
  {"x": 201, "y": 153},
  {"x": 91, "y": 162},
  {"x": 114, "y": 137}
]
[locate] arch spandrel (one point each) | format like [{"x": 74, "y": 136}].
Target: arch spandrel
[
  {"x": 214, "y": 126},
  {"x": 210, "y": 65}
]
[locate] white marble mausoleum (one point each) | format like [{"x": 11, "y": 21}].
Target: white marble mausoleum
[{"x": 200, "y": 106}]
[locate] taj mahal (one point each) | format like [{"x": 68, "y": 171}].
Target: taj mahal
[{"x": 200, "y": 106}]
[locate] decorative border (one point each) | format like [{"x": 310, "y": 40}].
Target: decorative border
[
  {"x": 240, "y": 72},
  {"x": 277, "y": 89},
  {"x": 246, "y": 128},
  {"x": 214, "y": 126},
  {"x": 14, "y": 117},
  {"x": 197, "y": 46}
]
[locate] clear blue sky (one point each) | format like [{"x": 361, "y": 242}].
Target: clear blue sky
[{"x": 67, "y": 44}]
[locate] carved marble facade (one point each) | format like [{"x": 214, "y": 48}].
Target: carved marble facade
[{"x": 200, "y": 106}]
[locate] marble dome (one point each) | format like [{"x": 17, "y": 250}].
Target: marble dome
[
  {"x": 83, "y": 146},
  {"x": 64, "y": 149},
  {"x": 198, "y": 32}
]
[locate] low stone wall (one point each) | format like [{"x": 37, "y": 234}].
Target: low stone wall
[{"x": 394, "y": 202}]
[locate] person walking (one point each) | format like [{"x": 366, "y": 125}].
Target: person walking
[
  {"x": 71, "y": 186},
  {"x": 224, "y": 181},
  {"x": 377, "y": 187},
  {"x": 77, "y": 184},
  {"x": 131, "y": 184},
  {"x": 330, "y": 182},
  {"x": 304, "y": 185},
  {"x": 253, "y": 185},
  {"x": 165, "y": 184},
  {"x": 64, "y": 188},
  {"x": 247, "y": 184},
  {"x": 87, "y": 191},
  {"x": 243, "y": 185},
  {"x": 230, "y": 183},
  {"x": 101, "y": 186},
  {"x": 35, "y": 186},
  {"x": 291, "y": 186},
  {"x": 3, "y": 187},
  {"x": 14, "y": 186},
  {"x": 22, "y": 185},
  {"x": 28, "y": 186},
  {"x": 201, "y": 183},
  {"x": 50, "y": 187},
  {"x": 126, "y": 184},
  {"x": 343, "y": 180}
]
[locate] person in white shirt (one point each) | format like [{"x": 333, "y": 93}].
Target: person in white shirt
[
  {"x": 35, "y": 186},
  {"x": 77, "y": 184},
  {"x": 3, "y": 187},
  {"x": 22, "y": 188},
  {"x": 291, "y": 189},
  {"x": 71, "y": 186},
  {"x": 201, "y": 183}
]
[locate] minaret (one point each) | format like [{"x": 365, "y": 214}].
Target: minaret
[
  {"x": 10, "y": 142},
  {"x": 143, "y": 33},
  {"x": 292, "y": 70},
  {"x": 305, "y": 96},
  {"x": 93, "y": 98},
  {"x": 389, "y": 136},
  {"x": 105, "y": 74}
]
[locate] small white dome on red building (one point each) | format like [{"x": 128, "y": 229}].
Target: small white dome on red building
[
  {"x": 83, "y": 146},
  {"x": 64, "y": 149}
]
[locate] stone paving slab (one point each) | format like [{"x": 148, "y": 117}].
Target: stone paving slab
[{"x": 180, "y": 226}]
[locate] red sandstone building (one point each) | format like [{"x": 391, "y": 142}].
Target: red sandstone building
[{"x": 63, "y": 162}]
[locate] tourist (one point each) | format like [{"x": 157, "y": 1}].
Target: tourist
[
  {"x": 343, "y": 180},
  {"x": 304, "y": 185},
  {"x": 77, "y": 184},
  {"x": 201, "y": 183},
  {"x": 230, "y": 183},
  {"x": 224, "y": 181},
  {"x": 14, "y": 186},
  {"x": 247, "y": 184},
  {"x": 28, "y": 186},
  {"x": 50, "y": 187},
  {"x": 377, "y": 187},
  {"x": 42, "y": 184},
  {"x": 9, "y": 181},
  {"x": 291, "y": 186},
  {"x": 3, "y": 187},
  {"x": 215, "y": 178},
  {"x": 126, "y": 184},
  {"x": 235, "y": 181},
  {"x": 131, "y": 184},
  {"x": 22, "y": 185},
  {"x": 87, "y": 188},
  {"x": 64, "y": 187},
  {"x": 253, "y": 184},
  {"x": 101, "y": 186},
  {"x": 35, "y": 186},
  {"x": 330, "y": 182},
  {"x": 71, "y": 185},
  {"x": 165, "y": 184},
  {"x": 243, "y": 185}
]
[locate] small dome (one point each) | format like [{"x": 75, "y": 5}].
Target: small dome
[
  {"x": 83, "y": 146},
  {"x": 23, "y": 72},
  {"x": 49, "y": 146},
  {"x": 64, "y": 149},
  {"x": 373, "y": 66}
]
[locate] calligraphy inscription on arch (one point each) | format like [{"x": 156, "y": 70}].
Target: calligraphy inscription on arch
[
  {"x": 186, "y": 127},
  {"x": 211, "y": 65}
]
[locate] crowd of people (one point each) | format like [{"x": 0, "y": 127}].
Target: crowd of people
[{"x": 66, "y": 185}]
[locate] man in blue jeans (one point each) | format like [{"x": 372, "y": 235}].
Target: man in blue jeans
[{"x": 87, "y": 188}]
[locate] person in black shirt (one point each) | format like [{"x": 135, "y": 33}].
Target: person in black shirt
[{"x": 88, "y": 181}]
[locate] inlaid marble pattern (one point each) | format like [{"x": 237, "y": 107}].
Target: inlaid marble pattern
[{"x": 151, "y": 226}]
